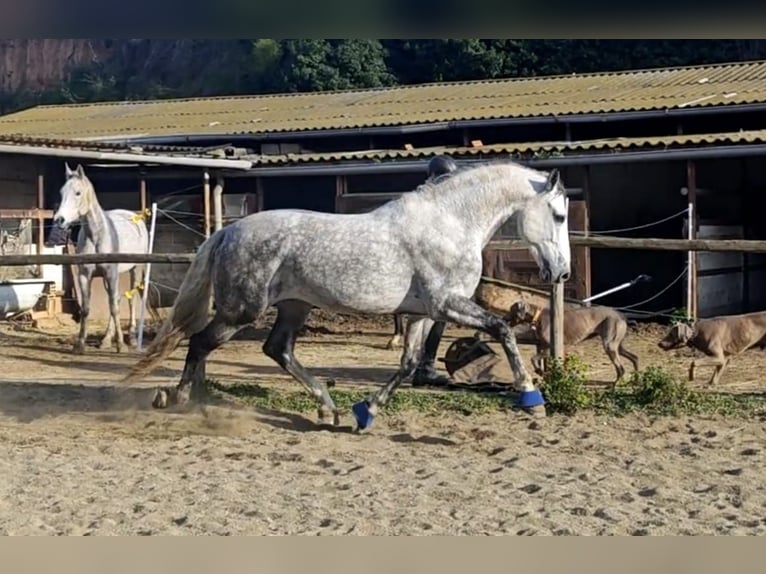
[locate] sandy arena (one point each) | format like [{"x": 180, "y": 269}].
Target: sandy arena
[{"x": 81, "y": 457}]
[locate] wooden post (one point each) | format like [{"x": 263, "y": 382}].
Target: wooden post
[
  {"x": 341, "y": 187},
  {"x": 40, "y": 218},
  {"x": 745, "y": 208},
  {"x": 258, "y": 194},
  {"x": 586, "y": 197},
  {"x": 142, "y": 194},
  {"x": 691, "y": 185},
  {"x": 218, "y": 203},
  {"x": 206, "y": 196},
  {"x": 557, "y": 320}
]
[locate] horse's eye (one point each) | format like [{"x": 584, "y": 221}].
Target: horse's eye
[
  {"x": 559, "y": 218},
  {"x": 77, "y": 193}
]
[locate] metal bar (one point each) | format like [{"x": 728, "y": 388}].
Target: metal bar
[
  {"x": 147, "y": 278},
  {"x": 125, "y": 157}
]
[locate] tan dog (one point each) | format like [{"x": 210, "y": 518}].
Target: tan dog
[
  {"x": 580, "y": 324},
  {"x": 722, "y": 338}
]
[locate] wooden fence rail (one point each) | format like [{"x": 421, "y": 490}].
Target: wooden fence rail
[
  {"x": 653, "y": 244},
  {"x": 605, "y": 242}
]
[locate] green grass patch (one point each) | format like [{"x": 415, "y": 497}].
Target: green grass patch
[
  {"x": 403, "y": 400},
  {"x": 564, "y": 385}
]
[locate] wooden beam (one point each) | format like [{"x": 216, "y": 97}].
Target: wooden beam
[
  {"x": 341, "y": 189},
  {"x": 601, "y": 242},
  {"x": 586, "y": 197},
  {"x": 691, "y": 185},
  {"x": 26, "y": 213},
  {"x": 142, "y": 193},
  {"x": 651, "y": 244},
  {"x": 218, "y": 203},
  {"x": 259, "y": 194},
  {"x": 56, "y": 259},
  {"x": 206, "y": 197},
  {"x": 557, "y": 320},
  {"x": 40, "y": 218}
]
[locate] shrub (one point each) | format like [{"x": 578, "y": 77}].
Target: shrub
[
  {"x": 563, "y": 385},
  {"x": 657, "y": 390}
]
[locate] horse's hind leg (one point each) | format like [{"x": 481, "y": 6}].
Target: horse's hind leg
[
  {"x": 396, "y": 339},
  {"x": 201, "y": 344},
  {"x": 426, "y": 374},
  {"x": 279, "y": 346},
  {"x": 414, "y": 337}
]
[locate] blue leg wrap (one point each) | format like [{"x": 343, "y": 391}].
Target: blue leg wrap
[
  {"x": 362, "y": 414},
  {"x": 529, "y": 399}
]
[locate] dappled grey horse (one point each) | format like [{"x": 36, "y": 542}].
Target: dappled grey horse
[
  {"x": 113, "y": 231},
  {"x": 420, "y": 254}
]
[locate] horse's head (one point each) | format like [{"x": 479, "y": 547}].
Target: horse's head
[
  {"x": 542, "y": 223},
  {"x": 76, "y": 197}
]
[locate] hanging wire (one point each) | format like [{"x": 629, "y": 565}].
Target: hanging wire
[
  {"x": 635, "y": 228},
  {"x": 181, "y": 223},
  {"x": 653, "y": 297}
]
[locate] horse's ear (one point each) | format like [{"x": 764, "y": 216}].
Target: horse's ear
[
  {"x": 67, "y": 170},
  {"x": 80, "y": 171},
  {"x": 552, "y": 182}
]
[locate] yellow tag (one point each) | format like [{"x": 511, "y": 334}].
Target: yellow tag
[
  {"x": 141, "y": 215},
  {"x": 138, "y": 289}
]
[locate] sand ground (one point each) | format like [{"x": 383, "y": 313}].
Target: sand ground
[{"x": 80, "y": 455}]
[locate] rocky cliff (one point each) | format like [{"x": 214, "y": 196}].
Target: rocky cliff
[{"x": 38, "y": 65}]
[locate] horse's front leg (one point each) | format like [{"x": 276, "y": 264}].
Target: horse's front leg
[
  {"x": 395, "y": 341},
  {"x": 84, "y": 276},
  {"x": 112, "y": 280},
  {"x": 415, "y": 334},
  {"x": 463, "y": 311}
]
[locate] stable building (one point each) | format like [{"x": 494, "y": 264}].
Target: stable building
[{"x": 638, "y": 149}]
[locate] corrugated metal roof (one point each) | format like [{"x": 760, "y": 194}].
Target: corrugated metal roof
[
  {"x": 526, "y": 149},
  {"x": 653, "y": 89}
]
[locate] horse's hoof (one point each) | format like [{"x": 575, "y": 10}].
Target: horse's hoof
[
  {"x": 327, "y": 418},
  {"x": 394, "y": 343},
  {"x": 363, "y": 415},
  {"x": 78, "y": 349},
  {"x": 160, "y": 399}
]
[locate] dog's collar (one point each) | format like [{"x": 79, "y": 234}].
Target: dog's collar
[{"x": 536, "y": 316}]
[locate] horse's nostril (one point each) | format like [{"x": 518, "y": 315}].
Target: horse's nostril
[{"x": 565, "y": 276}]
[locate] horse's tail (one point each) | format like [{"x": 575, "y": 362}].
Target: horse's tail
[{"x": 189, "y": 313}]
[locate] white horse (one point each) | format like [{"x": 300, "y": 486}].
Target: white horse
[
  {"x": 418, "y": 255},
  {"x": 113, "y": 231}
]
